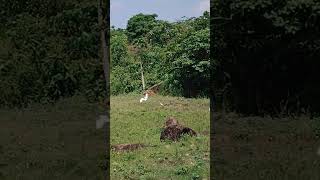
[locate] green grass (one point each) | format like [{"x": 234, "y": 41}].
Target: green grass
[
  {"x": 132, "y": 122},
  {"x": 60, "y": 142},
  {"x": 52, "y": 142},
  {"x": 266, "y": 149}
]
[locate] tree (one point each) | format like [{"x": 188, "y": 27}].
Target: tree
[
  {"x": 267, "y": 51},
  {"x": 138, "y": 27},
  {"x": 51, "y": 51},
  {"x": 175, "y": 53}
]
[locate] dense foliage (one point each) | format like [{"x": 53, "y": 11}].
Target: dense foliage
[
  {"x": 50, "y": 50},
  {"x": 174, "y": 53},
  {"x": 266, "y": 55}
]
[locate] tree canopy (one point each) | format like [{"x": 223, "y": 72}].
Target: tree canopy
[
  {"x": 266, "y": 54},
  {"x": 176, "y": 53},
  {"x": 50, "y": 50}
]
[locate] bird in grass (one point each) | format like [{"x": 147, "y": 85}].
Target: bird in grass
[{"x": 145, "y": 98}]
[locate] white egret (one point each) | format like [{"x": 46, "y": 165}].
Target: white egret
[{"x": 145, "y": 98}]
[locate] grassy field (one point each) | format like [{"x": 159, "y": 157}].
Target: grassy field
[
  {"x": 262, "y": 148},
  {"x": 60, "y": 142},
  {"x": 134, "y": 122},
  {"x": 52, "y": 142}
]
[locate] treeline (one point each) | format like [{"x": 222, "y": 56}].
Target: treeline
[
  {"x": 49, "y": 50},
  {"x": 266, "y": 56},
  {"x": 153, "y": 51}
]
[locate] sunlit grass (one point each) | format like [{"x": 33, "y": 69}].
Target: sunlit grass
[{"x": 134, "y": 122}]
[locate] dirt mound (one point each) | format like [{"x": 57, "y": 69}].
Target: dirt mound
[
  {"x": 149, "y": 92},
  {"x": 173, "y": 130},
  {"x": 153, "y": 90},
  {"x": 126, "y": 147}
]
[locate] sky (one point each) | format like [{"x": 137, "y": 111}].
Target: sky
[{"x": 170, "y": 10}]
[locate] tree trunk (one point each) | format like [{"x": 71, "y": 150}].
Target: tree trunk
[
  {"x": 142, "y": 77},
  {"x": 104, "y": 24},
  {"x": 104, "y": 27}
]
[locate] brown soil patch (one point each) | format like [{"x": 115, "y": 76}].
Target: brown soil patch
[
  {"x": 126, "y": 147},
  {"x": 173, "y": 130}
]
